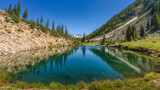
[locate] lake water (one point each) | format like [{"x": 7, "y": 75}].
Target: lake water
[{"x": 81, "y": 63}]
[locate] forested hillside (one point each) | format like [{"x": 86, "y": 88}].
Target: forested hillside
[{"x": 138, "y": 8}]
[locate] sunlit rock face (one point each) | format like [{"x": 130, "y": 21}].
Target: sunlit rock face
[{"x": 15, "y": 63}]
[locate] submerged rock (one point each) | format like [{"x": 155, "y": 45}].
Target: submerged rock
[{"x": 67, "y": 77}]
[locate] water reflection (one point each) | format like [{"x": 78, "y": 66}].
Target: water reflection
[{"x": 69, "y": 65}]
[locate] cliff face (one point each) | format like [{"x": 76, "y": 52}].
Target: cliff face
[{"x": 17, "y": 37}]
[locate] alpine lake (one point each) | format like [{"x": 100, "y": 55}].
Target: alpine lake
[{"x": 70, "y": 65}]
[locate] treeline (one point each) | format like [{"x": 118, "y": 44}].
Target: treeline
[
  {"x": 131, "y": 33},
  {"x": 60, "y": 30}
]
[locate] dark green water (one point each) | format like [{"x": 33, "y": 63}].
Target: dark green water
[{"x": 87, "y": 63}]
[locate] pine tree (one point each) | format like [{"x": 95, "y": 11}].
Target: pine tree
[
  {"x": 143, "y": 32},
  {"x": 15, "y": 9},
  {"x": 25, "y": 15},
  {"x": 62, "y": 29},
  {"x": 103, "y": 40},
  {"x": 84, "y": 38},
  {"x": 148, "y": 24},
  {"x": 53, "y": 29},
  {"x": 129, "y": 33},
  {"x": 10, "y": 9},
  {"x": 37, "y": 21},
  {"x": 66, "y": 31},
  {"x": 41, "y": 20},
  {"x": 156, "y": 20},
  {"x": 18, "y": 9},
  {"x": 47, "y": 25},
  {"x": 134, "y": 33}
]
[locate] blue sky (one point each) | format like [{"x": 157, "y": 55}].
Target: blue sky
[{"x": 80, "y": 16}]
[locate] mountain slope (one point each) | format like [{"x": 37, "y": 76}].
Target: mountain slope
[
  {"x": 17, "y": 37},
  {"x": 136, "y": 10}
]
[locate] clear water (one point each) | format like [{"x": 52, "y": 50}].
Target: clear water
[{"x": 87, "y": 63}]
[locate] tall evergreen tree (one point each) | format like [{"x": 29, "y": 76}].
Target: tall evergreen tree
[
  {"x": 10, "y": 9},
  {"x": 37, "y": 21},
  {"x": 103, "y": 40},
  {"x": 62, "y": 29},
  {"x": 15, "y": 9},
  {"x": 18, "y": 9},
  {"x": 47, "y": 23},
  {"x": 53, "y": 29},
  {"x": 156, "y": 20},
  {"x": 41, "y": 20},
  {"x": 134, "y": 33},
  {"x": 128, "y": 33},
  {"x": 142, "y": 32},
  {"x": 84, "y": 38},
  {"x": 148, "y": 24},
  {"x": 25, "y": 15},
  {"x": 66, "y": 31}
]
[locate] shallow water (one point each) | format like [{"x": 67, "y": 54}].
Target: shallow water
[{"x": 84, "y": 63}]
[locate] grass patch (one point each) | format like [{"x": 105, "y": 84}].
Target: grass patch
[
  {"x": 150, "y": 81},
  {"x": 149, "y": 46}
]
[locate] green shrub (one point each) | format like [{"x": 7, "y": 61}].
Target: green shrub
[
  {"x": 39, "y": 85},
  {"x": 5, "y": 26},
  {"x": 32, "y": 25},
  {"x": 54, "y": 86},
  {"x": 20, "y": 30},
  {"x": 21, "y": 84},
  {"x": 151, "y": 76},
  {"x": 8, "y": 31},
  {"x": 7, "y": 19},
  {"x": 15, "y": 18}
]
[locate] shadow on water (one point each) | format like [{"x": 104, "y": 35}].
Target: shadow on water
[{"x": 69, "y": 65}]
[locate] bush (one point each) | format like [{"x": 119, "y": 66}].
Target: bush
[
  {"x": 20, "y": 30},
  {"x": 15, "y": 18},
  {"x": 7, "y": 19},
  {"x": 54, "y": 86},
  {"x": 21, "y": 85},
  {"x": 32, "y": 25},
  {"x": 151, "y": 76},
  {"x": 5, "y": 26}
]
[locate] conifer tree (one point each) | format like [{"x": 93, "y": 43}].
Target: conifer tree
[
  {"x": 41, "y": 20},
  {"x": 128, "y": 33},
  {"x": 84, "y": 38},
  {"x": 148, "y": 24},
  {"x": 15, "y": 9},
  {"x": 134, "y": 33},
  {"x": 18, "y": 9},
  {"x": 47, "y": 23},
  {"x": 62, "y": 29},
  {"x": 103, "y": 40},
  {"x": 53, "y": 29},
  {"x": 10, "y": 9},
  {"x": 37, "y": 21},
  {"x": 66, "y": 31},
  {"x": 143, "y": 32},
  {"x": 25, "y": 15}
]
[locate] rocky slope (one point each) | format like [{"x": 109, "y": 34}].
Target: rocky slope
[{"x": 18, "y": 37}]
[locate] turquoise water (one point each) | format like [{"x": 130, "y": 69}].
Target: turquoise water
[{"x": 87, "y": 63}]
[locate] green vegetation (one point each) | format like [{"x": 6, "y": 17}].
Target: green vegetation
[
  {"x": 143, "y": 33},
  {"x": 103, "y": 40},
  {"x": 25, "y": 15},
  {"x": 150, "y": 81},
  {"x": 84, "y": 38},
  {"x": 7, "y": 19},
  {"x": 149, "y": 46},
  {"x": 139, "y": 7},
  {"x": 131, "y": 33}
]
